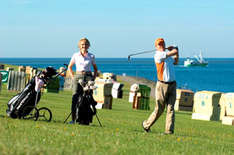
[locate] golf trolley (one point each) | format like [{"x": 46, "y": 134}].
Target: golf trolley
[
  {"x": 24, "y": 104},
  {"x": 85, "y": 106}
]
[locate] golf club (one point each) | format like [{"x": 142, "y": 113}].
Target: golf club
[
  {"x": 144, "y": 52},
  {"x": 140, "y": 53}
]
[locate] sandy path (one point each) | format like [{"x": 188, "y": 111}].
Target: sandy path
[{"x": 132, "y": 80}]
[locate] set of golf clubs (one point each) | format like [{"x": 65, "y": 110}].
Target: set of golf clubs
[{"x": 89, "y": 86}]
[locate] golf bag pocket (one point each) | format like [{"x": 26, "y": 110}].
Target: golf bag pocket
[{"x": 22, "y": 104}]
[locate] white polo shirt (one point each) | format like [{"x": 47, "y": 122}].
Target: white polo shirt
[
  {"x": 165, "y": 66},
  {"x": 83, "y": 63}
]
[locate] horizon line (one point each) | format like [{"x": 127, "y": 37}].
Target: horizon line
[{"x": 102, "y": 57}]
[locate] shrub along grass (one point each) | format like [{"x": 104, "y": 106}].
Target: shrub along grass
[{"x": 121, "y": 133}]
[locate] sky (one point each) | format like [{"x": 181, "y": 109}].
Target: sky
[{"x": 52, "y": 28}]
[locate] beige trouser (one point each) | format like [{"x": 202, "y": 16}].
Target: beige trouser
[
  {"x": 165, "y": 96},
  {"x": 76, "y": 79}
]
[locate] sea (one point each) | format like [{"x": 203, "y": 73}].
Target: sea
[{"x": 217, "y": 76}]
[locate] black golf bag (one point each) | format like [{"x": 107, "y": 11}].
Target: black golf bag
[
  {"x": 83, "y": 104},
  {"x": 24, "y": 102}
]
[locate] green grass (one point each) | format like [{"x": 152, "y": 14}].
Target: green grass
[
  {"x": 11, "y": 66},
  {"x": 121, "y": 132}
]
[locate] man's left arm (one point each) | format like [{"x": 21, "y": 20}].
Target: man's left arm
[
  {"x": 174, "y": 51},
  {"x": 176, "y": 58}
]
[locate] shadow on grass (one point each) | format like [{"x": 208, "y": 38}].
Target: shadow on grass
[
  {"x": 67, "y": 123},
  {"x": 3, "y": 116},
  {"x": 183, "y": 113},
  {"x": 152, "y": 132}
]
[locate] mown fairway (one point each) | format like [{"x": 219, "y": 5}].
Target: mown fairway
[{"x": 121, "y": 133}]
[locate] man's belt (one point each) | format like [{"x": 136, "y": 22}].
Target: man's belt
[{"x": 171, "y": 82}]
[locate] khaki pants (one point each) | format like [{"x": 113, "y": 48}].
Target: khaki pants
[
  {"x": 165, "y": 96},
  {"x": 76, "y": 79}
]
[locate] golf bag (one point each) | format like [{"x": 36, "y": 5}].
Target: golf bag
[
  {"x": 83, "y": 104},
  {"x": 24, "y": 102}
]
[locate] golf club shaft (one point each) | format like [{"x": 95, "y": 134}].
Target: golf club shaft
[
  {"x": 96, "y": 116},
  {"x": 67, "y": 117},
  {"x": 142, "y": 52},
  {"x": 98, "y": 120}
]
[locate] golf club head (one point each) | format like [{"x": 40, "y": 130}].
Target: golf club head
[
  {"x": 91, "y": 83},
  {"x": 81, "y": 82}
]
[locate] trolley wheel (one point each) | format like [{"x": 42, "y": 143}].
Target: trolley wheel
[
  {"x": 32, "y": 115},
  {"x": 44, "y": 114}
]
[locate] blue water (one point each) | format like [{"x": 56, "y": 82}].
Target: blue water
[{"x": 217, "y": 76}]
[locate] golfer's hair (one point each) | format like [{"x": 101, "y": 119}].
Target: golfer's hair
[
  {"x": 84, "y": 39},
  {"x": 159, "y": 41}
]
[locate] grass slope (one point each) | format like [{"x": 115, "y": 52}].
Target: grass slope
[{"x": 121, "y": 132}]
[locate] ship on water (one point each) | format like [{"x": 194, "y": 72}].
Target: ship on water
[{"x": 198, "y": 60}]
